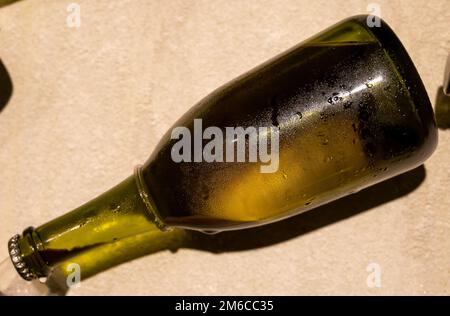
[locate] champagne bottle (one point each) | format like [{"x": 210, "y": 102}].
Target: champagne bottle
[{"x": 346, "y": 109}]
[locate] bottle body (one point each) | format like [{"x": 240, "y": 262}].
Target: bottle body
[{"x": 351, "y": 111}]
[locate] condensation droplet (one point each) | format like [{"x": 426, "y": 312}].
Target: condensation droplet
[
  {"x": 348, "y": 104},
  {"x": 309, "y": 201}
]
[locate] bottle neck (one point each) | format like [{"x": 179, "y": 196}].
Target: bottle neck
[{"x": 123, "y": 211}]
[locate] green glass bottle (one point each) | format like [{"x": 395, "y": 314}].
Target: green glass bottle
[{"x": 347, "y": 108}]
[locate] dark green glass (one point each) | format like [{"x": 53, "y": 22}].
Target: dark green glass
[{"x": 351, "y": 111}]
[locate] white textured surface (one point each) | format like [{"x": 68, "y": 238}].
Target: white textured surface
[{"x": 90, "y": 103}]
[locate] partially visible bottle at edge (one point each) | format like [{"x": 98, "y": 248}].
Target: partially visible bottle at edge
[{"x": 349, "y": 110}]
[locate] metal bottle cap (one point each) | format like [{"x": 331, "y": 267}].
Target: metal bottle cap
[{"x": 17, "y": 260}]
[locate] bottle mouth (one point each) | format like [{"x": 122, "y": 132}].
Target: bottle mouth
[
  {"x": 17, "y": 260},
  {"x": 24, "y": 253}
]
